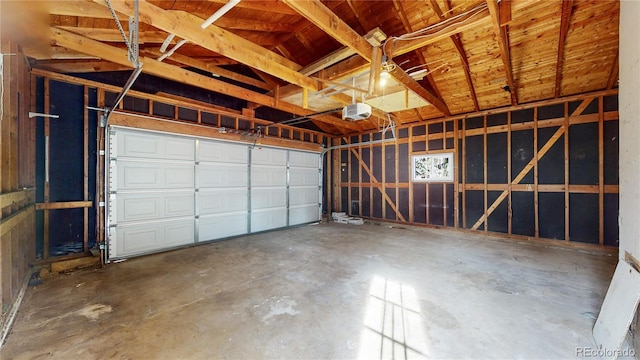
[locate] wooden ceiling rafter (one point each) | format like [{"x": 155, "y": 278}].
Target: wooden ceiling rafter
[
  {"x": 79, "y": 66},
  {"x": 217, "y": 40},
  {"x": 431, "y": 82},
  {"x": 502, "y": 35},
  {"x": 567, "y": 9},
  {"x": 613, "y": 74},
  {"x": 154, "y": 67},
  {"x": 274, "y": 6},
  {"x": 414, "y": 86},
  {"x": 455, "y": 38}
]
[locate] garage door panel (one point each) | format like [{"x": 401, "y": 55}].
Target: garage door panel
[
  {"x": 303, "y": 177},
  {"x": 147, "y": 206},
  {"x": 303, "y": 214},
  {"x": 138, "y": 239},
  {"x": 222, "y": 200},
  {"x": 268, "y": 219},
  {"x": 213, "y": 227},
  {"x": 268, "y": 156},
  {"x": 221, "y": 152},
  {"x": 304, "y": 195},
  {"x": 303, "y": 159},
  {"x": 271, "y": 197},
  {"x": 134, "y": 175},
  {"x": 226, "y": 176},
  {"x": 154, "y": 146},
  {"x": 268, "y": 176}
]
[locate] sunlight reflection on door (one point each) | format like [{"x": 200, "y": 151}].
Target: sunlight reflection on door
[{"x": 393, "y": 325}]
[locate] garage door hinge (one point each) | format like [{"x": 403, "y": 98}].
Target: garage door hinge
[
  {"x": 102, "y": 152},
  {"x": 101, "y": 204}
]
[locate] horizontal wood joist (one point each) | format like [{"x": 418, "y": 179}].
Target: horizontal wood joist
[
  {"x": 144, "y": 122},
  {"x": 169, "y": 99},
  {"x": 217, "y": 40},
  {"x": 321, "y": 16},
  {"x": 151, "y": 66}
]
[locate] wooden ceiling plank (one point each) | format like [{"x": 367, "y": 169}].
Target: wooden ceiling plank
[
  {"x": 151, "y": 66},
  {"x": 440, "y": 31},
  {"x": 82, "y": 9},
  {"x": 502, "y": 35},
  {"x": 217, "y": 40},
  {"x": 613, "y": 75},
  {"x": 330, "y": 23},
  {"x": 414, "y": 86},
  {"x": 567, "y": 9},
  {"x": 326, "y": 61},
  {"x": 463, "y": 56}
]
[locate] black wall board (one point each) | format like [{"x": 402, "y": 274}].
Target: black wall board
[
  {"x": 344, "y": 199},
  {"x": 436, "y": 204},
  {"x": 551, "y": 111},
  {"x": 523, "y": 213},
  {"x": 355, "y": 201},
  {"x": 403, "y": 162},
  {"x": 365, "y": 158},
  {"x": 377, "y": 163},
  {"x": 377, "y": 203},
  {"x": 474, "y": 123},
  {"x": 435, "y": 128},
  {"x": 475, "y": 159},
  {"x": 344, "y": 162},
  {"x": 521, "y": 116},
  {"x": 389, "y": 213},
  {"x": 419, "y": 146},
  {"x": 420, "y": 202},
  {"x": 355, "y": 166},
  {"x": 551, "y": 215},
  {"x": 611, "y": 229},
  {"x": 450, "y": 205},
  {"x": 583, "y": 218},
  {"x": 497, "y": 158},
  {"x": 366, "y": 202},
  {"x": 551, "y": 165},
  {"x": 499, "y": 218},
  {"x": 403, "y": 202},
  {"x": 521, "y": 154},
  {"x": 611, "y": 152},
  {"x": 583, "y": 154},
  {"x": 497, "y": 119},
  {"x": 390, "y": 163},
  {"x": 475, "y": 207}
]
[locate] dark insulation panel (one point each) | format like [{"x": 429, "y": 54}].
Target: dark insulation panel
[
  {"x": 610, "y": 103},
  {"x": 192, "y": 115},
  {"x": 403, "y": 133},
  {"x": 435, "y": 128},
  {"x": 344, "y": 198},
  {"x": 355, "y": 166},
  {"x": 475, "y": 207},
  {"x": 497, "y": 158},
  {"x": 377, "y": 163},
  {"x": 377, "y": 203},
  {"x": 135, "y": 104},
  {"x": 436, "y": 204},
  {"x": 611, "y": 152},
  {"x": 355, "y": 202},
  {"x": 403, "y": 202},
  {"x": 583, "y": 154},
  {"x": 212, "y": 119},
  {"x": 474, "y": 123},
  {"x": 475, "y": 159},
  {"x": 551, "y": 165},
  {"x": 583, "y": 218},
  {"x": 164, "y": 110},
  {"x": 390, "y": 163},
  {"x": 366, "y": 202},
  {"x": 611, "y": 230},
  {"x": 420, "y": 203},
  {"x": 551, "y": 215},
  {"x": 436, "y": 144},
  {"x": 523, "y": 213},
  {"x": 403, "y": 162},
  {"x": 551, "y": 112},
  {"x": 450, "y": 205},
  {"x": 522, "y": 116},
  {"x": 418, "y": 130},
  {"x": 497, "y": 119},
  {"x": 521, "y": 154},
  {"x": 344, "y": 162},
  {"x": 365, "y": 156},
  {"x": 499, "y": 218},
  {"x": 389, "y": 213},
  {"x": 418, "y": 146}
]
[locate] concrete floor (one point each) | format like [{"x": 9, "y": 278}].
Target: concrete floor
[{"x": 325, "y": 291}]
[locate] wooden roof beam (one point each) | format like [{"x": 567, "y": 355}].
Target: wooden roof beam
[
  {"x": 414, "y": 86},
  {"x": 217, "y": 40},
  {"x": 330, "y": 23},
  {"x": 613, "y": 75},
  {"x": 151, "y": 66},
  {"x": 78, "y": 66},
  {"x": 463, "y": 56},
  {"x": 503, "y": 42},
  {"x": 274, "y": 6},
  {"x": 567, "y": 9},
  {"x": 440, "y": 31},
  {"x": 113, "y": 35}
]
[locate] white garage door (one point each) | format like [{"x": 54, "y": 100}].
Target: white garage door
[{"x": 167, "y": 191}]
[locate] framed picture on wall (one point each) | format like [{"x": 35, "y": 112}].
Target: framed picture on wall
[{"x": 433, "y": 167}]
